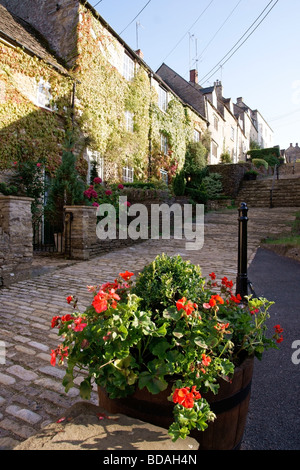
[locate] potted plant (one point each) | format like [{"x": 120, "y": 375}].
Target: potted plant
[
  {"x": 173, "y": 337},
  {"x": 250, "y": 175}
]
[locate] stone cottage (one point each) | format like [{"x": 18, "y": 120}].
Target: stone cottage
[
  {"x": 129, "y": 122},
  {"x": 292, "y": 154}
]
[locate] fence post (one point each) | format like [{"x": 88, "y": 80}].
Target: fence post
[{"x": 242, "y": 277}]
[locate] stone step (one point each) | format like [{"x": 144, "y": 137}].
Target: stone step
[{"x": 285, "y": 192}]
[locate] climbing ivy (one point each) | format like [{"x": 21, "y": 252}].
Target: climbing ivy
[{"x": 102, "y": 97}]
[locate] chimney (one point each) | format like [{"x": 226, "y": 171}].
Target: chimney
[
  {"x": 194, "y": 76},
  {"x": 239, "y": 100},
  {"x": 219, "y": 89},
  {"x": 140, "y": 54}
]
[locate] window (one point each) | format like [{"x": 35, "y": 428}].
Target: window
[
  {"x": 196, "y": 135},
  {"x": 164, "y": 144},
  {"x": 214, "y": 149},
  {"x": 44, "y": 96},
  {"x": 232, "y": 133},
  {"x": 164, "y": 175},
  {"x": 128, "y": 67},
  {"x": 94, "y": 160},
  {"x": 127, "y": 174},
  {"x": 216, "y": 123},
  {"x": 129, "y": 121},
  {"x": 162, "y": 99}
]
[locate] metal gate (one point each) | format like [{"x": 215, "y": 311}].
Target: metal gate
[{"x": 47, "y": 239}]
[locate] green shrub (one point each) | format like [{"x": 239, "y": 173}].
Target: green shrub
[
  {"x": 225, "y": 157},
  {"x": 66, "y": 189},
  {"x": 197, "y": 195},
  {"x": 179, "y": 184},
  {"x": 270, "y": 155},
  {"x": 195, "y": 157},
  {"x": 213, "y": 185},
  {"x": 8, "y": 190},
  {"x": 167, "y": 279},
  {"x": 259, "y": 162}
]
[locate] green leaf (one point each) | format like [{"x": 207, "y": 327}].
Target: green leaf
[
  {"x": 160, "y": 349},
  {"x": 153, "y": 384},
  {"x": 68, "y": 382},
  {"x": 162, "y": 330},
  {"x": 172, "y": 313},
  {"x": 85, "y": 390},
  {"x": 199, "y": 342}
]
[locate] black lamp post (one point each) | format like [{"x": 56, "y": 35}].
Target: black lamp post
[{"x": 242, "y": 277}]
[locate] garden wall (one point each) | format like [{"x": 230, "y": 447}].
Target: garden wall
[
  {"x": 232, "y": 176},
  {"x": 16, "y": 250},
  {"x": 84, "y": 242}
]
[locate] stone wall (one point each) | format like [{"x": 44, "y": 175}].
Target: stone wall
[
  {"x": 232, "y": 176},
  {"x": 84, "y": 243},
  {"x": 16, "y": 250}
]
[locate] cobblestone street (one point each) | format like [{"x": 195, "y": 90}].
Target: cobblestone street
[{"x": 31, "y": 394}]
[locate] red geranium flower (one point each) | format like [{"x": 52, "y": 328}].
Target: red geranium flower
[
  {"x": 184, "y": 397},
  {"x": 127, "y": 275}
]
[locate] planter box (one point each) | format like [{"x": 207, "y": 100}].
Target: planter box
[{"x": 230, "y": 406}]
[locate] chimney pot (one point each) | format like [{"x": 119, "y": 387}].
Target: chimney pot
[
  {"x": 139, "y": 53},
  {"x": 194, "y": 76}
]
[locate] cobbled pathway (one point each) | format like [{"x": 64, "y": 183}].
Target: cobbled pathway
[{"x": 31, "y": 393}]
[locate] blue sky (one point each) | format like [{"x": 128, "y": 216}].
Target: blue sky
[{"x": 265, "y": 70}]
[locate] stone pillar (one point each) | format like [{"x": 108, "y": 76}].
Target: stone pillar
[
  {"x": 16, "y": 251},
  {"x": 83, "y": 231}
]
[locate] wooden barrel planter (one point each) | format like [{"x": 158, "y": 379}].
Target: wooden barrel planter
[{"x": 230, "y": 406}]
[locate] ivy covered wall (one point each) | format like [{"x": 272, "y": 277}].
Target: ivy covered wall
[
  {"x": 29, "y": 131},
  {"x": 104, "y": 95}
]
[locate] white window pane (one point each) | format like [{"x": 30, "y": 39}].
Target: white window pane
[
  {"x": 127, "y": 174},
  {"x": 128, "y": 67},
  {"x": 129, "y": 121},
  {"x": 162, "y": 99}
]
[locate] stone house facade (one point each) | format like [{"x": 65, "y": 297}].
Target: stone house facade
[
  {"x": 131, "y": 122},
  {"x": 232, "y": 125},
  {"x": 292, "y": 154},
  {"x": 127, "y": 119}
]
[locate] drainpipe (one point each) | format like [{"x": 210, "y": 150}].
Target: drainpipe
[
  {"x": 150, "y": 129},
  {"x": 73, "y": 103}
]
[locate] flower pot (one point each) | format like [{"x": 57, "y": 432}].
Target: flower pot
[
  {"x": 230, "y": 406},
  {"x": 250, "y": 177}
]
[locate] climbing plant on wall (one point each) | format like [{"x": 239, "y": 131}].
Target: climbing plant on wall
[{"x": 28, "y": 131}]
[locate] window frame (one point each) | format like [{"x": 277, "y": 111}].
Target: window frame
[
  {"x": 128, "y": 67},
  {"x": 43, "y": 95},
  {"x": 164, "y": 175},
  {"x": 129, "y": 121},
  {"x": 95, "y": 155},
  {"x": 162, "y": 99},
  {"x": 164, "y": 144},
  {"x": 197, "y": 135},
  {"x": 128, "y": 174}
]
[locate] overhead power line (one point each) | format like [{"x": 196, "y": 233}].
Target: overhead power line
[
  {"x": 135, "y": 17},
  {"x": 225, "y": 21},
  {"x": 180, "y": 40},
  {"x": 221, "y": 63},
  {"x": 97, "y": 3}
]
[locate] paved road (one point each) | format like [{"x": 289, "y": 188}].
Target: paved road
[
  {"x": 274, "y": 418},
  {"x": 31, "y": 394}
]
